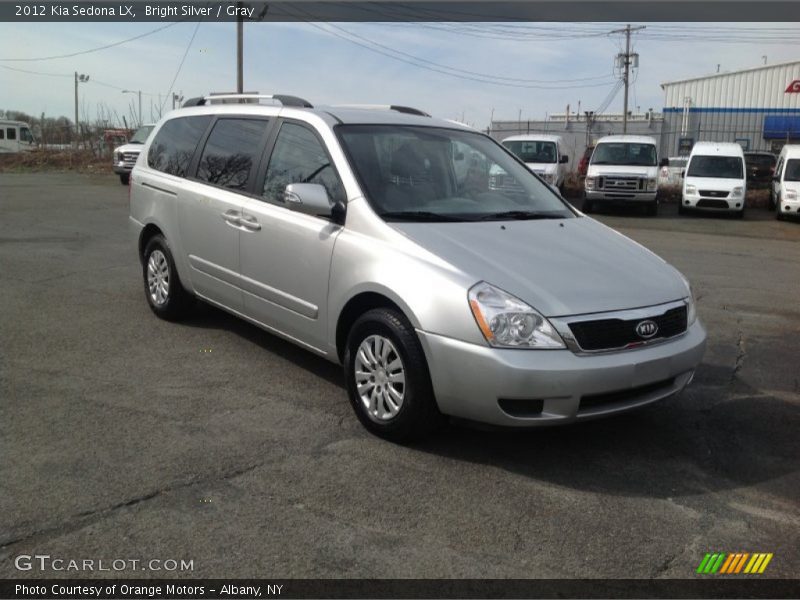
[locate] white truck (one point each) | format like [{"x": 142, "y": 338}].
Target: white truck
[
  {"x": 542, "y": 154},
  {"x": 623, "y": 169},
  {"x": 15, "y": 136}
]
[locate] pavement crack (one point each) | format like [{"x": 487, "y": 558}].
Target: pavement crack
[
  {"x": 89, "y": 517},
  {"x": 741, "y": 354}
]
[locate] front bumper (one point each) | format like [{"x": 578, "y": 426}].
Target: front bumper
[
  {"x": 789, "y": 207},
  {"x": 696, "y": 202},
  {"x": 470, "y": 380},
  {"x": 609, "y": 196},
  {"x": 121, "y": 168}
]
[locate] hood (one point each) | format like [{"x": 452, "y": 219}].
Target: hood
[
  {"x": 129, "y": 148},
  {"x": 622, "y": 171},
  {"x": 714, "y": 183},
  {"x": 542, "y": 167},
  {"x": 560, "y": 267}
]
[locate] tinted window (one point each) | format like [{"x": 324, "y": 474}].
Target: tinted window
[
  {"x": 533, "y": 152},
  {"x": 724, "y": 167},
  {"x": 174, "y": 144},
  {"x": 622, "y": 153},
  {"x": 140, "y": 137},
  {"x": 299, "y": 157},
  {"x": 25, "y": 135},
  {"x": 12, "y": 133},
  {"x": 231, "y": 151},
  {"x": 792, "y": 170}
]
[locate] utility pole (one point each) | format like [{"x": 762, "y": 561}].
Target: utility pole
[
  {"x": 78, "y": 79},
  {"x": 626, "y": 64},
  {"x": 140, "y": 102},
  {"x": 239, "y": 49}
]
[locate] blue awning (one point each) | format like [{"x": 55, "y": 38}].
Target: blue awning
[{"x": 781, "y": 127}]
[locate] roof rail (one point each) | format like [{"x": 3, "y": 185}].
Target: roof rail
[
  {"x": 403, "y": 109},
  {"x": 284, "y": 99}
]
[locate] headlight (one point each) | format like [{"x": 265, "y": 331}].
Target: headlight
[
  {"x": 691, "y": 190},
  {"x": 651, "y": 184},
  {"x": 507, "y": 322},
  {"x": 589, "y": 183},
  {"x": 117, "y": 157},
  {"x": 548, "y": 177},
  {"x": 691, "y": 309},
  {"x": 737, "y": 192}
]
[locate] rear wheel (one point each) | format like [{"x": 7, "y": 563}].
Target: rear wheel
[
  {"x": 124, "y": 178},
  {"x": 387, "y": 377},
  {"x": 166, "y": 296}
]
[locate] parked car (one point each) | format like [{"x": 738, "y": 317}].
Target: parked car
[
  {"x": 623, "y": 168},
  {"x": 583, "y": 164},
  {"x": 125, "y": 156},
  {"x": 353, "y": 233},
  {"x": 542, "y": 154},
  {"x": 671, "y": 169},
  {"x": 15, "y": 136},
  {"x": 715, "y": 179},
  {"x": 760, "y": 168},
  {"x": 785, "y": 185}
]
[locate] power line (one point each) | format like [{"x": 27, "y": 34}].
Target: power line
[
  {"x": 180, "y": 66},
  {"x": 97, "y": 49}
]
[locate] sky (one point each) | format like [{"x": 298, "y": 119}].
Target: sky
[{"x": 467, "y": 71}]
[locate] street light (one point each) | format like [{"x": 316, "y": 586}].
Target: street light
[
  {"x": 78, "y": 79},
  {"x": 140, "y": 102}
]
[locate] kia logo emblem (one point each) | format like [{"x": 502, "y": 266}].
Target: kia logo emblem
[{"x": 646, "y": 329}]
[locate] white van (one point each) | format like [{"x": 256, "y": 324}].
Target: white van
[
  {"x": 16, "y": 136},
  {"x": 715, "y": 178},
  {"x": 542, "y": 154},
  {"x": 623, "y": 168},
  {"x": 785, "y": 188}
]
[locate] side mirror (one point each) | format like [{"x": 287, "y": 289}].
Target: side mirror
[
  {"x": 308, "y": 198},
  {"x": 564, "y": 159},
  {"x": 664, "y": 162}
]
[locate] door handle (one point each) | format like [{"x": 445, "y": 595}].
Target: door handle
[
  {"x": 250, "y": 223},
  {"x": 231, "y": 217}
]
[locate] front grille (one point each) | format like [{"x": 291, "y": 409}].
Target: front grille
[
  {"x": 612, "y": 334},
  {"x": 708, "y": 203},
  {"x": 592, "y": 401},
  {"x": 622, "y": 184},
  {"x": 714, "y": 194},
  {"x": 505, "y": 183},
  {"x": 129, "y": 158}
]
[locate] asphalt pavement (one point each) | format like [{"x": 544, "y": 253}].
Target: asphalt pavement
[{"x": 126, "y": 437}]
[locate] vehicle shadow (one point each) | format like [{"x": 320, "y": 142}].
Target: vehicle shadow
[{"x": 719, "y": 434}]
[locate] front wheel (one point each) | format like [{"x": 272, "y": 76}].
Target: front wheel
[
  {"x": 124, "y": 178},
  {"x": 588, "y": 206},
  {"x": 652, "y": 208},
  {"x": 772, "y": 203},
  {"x": 387, "y": 377},
  {"x": 166, "y": 296}
]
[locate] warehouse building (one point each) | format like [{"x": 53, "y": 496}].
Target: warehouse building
[{"x": 758, "y": 108}]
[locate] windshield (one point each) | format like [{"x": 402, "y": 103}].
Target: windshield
[
  {"x": 533, "y": 152},
  {"x": 140, "y": 137},
  {"x": 722, "y": 167},
  {"x": 792, "y": 172},
  {"x": 412, "y": 173},
  {"x": 763, "y": 161},
  {"x": 623, "y": 153}
]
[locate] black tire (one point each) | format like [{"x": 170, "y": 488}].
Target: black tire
[
  {"x": 418, "y": 414},
  {"x": 740, "y": 214},
  {"x": 651, "y": 210},
  {"x": 682, "y": 210},
  {"x": 772, "y": 203},
  {"x": 562, "y": 190},
  {"x": 178, "y": 301},
  {"x": 124, "y": 178},
  {"x": 588, "y": 206}
]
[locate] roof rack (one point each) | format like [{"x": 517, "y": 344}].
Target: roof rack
[
  {"x": 396, "y": 107},
  {"x": 284, "y": 99}
]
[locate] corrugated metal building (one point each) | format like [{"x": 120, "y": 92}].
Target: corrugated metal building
[{"x": 759, "y": 108}]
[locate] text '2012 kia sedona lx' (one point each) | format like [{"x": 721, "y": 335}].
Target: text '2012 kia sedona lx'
[{"x": 371, "y": 236}]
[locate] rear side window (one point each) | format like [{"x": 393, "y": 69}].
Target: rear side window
[
  {"x": 174, "y": 144},
  {"x": 231, "y": 151},
  {"x": 12, "y": 133}
]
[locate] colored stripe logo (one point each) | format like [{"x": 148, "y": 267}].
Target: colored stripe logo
[{"x": 734, "y": 563}]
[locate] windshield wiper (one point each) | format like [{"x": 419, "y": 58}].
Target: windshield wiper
[
  {"x": 419, "y": 215},
  {"x": 520, "y": 215}
]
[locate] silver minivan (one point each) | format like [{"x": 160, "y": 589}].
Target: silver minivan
[{"x": 372, "y": 237}]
